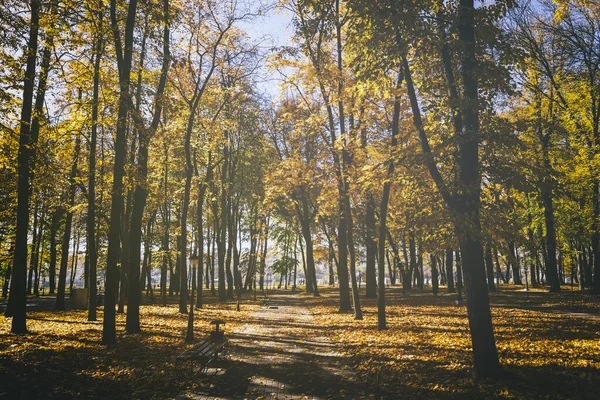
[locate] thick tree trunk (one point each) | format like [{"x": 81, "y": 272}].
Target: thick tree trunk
[
  {"x": 124, "y": 254},
  {"x": 18, "y": 297},
  {"x": 551, "y": 266},
  {"x": 124, "y": 63},
  {"x": 485, "y": 355},
  {"x": 132, "y": 324}
]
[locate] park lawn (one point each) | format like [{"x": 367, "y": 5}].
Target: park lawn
[
  {"x": 62, "y": 357},
  {"x": 426, "y": 350}
]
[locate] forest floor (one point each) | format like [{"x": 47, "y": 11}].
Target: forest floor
[
  {"x": 280, "y": 353},
  {"x": 62, "y": 357},
  {"x": 549, "y": 345}
]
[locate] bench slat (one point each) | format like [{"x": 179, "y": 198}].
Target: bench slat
[{"x": 202, "y": 353}]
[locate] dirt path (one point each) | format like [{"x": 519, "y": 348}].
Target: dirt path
[{"x": 279, "y": 355}]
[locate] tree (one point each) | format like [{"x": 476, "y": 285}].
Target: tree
[
  {"x": 17, "y": 298},
  {"x": 124, "y": 55}
]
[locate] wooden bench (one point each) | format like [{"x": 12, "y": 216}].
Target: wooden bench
[{"x": 195, "y": 360}]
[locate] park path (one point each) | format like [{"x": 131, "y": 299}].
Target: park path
[{"x": 279, "y": 354}]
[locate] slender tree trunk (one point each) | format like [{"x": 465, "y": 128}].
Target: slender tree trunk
[
  {"x": 221, "y": 226},
  {"x": 489, "y": 268},
  {"x": 8, "y": 273},
  {"x": 516, "y": 268},
  {"x": 39, "y": 251},
  {"x": 32, "y": 259},
  {"x": 596, "y": 235},
  {"x": 200, "y": 244},
  {"x": 64, "y": 259},
  {"x": 331, "y": 273},
  {"x": 390, "y": 267},
  {"x": 229, "y": 242},
  {"x": 371, "y": 248},
  {"x": 263, "y": 259},
  {"x": 449, "y": 270},
  {"x": 310, "y": 259},
  {"x": 166, "y": 227},
  {"x": 383, "y": 230},
  {"x": 434, "y": 274},
  {"x": 92, "y": 251},
  {"x": 74, "y": 261},
  {"x": 406, "y": 271},
  {"x": 352, "y": 253},
  {"x": 421, "y": 276},
  {"x": 38, "y": 272}
]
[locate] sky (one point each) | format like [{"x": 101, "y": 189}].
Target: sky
[{"x": 273, "y": 29}]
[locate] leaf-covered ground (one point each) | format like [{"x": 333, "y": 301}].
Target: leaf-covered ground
[
  {"x": 549, "y": 345},
  {"x": 426, "y": 352},
  {"x": 62, "y": 357}
]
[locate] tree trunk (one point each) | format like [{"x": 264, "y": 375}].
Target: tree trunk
[
  {"x": 485, "y": 355},
  {"x": 200, "y": 241},
  {"x": 230, "y": 238},
  {"x": 221, "y": 226},
  {"x": 16, "y": 306},
  {"x": 92, "y": 251},
  {"x": 516, "y": 268},
  {"x": 34, "y": 253},
  {"x": 310, "y": 259},
  {"x": 434, "y": 274},
  {"x": 489, "y": 268},
  {"x": 371, "y": 248},
  {"x": 74, "y": 260},
  {"x": 352, "y": 253},
  {"x": 391, "y": 267},
  {"x": 383, "y": 230},
  {"x": 64, "y": 259},
  {"x": 132, "y": 324},
  {"x": 39, "y": 257},
  {"x": 449, "y": 270},
  {"x": 124, "y": 63},
  {"x": 8, "y": 273}
]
